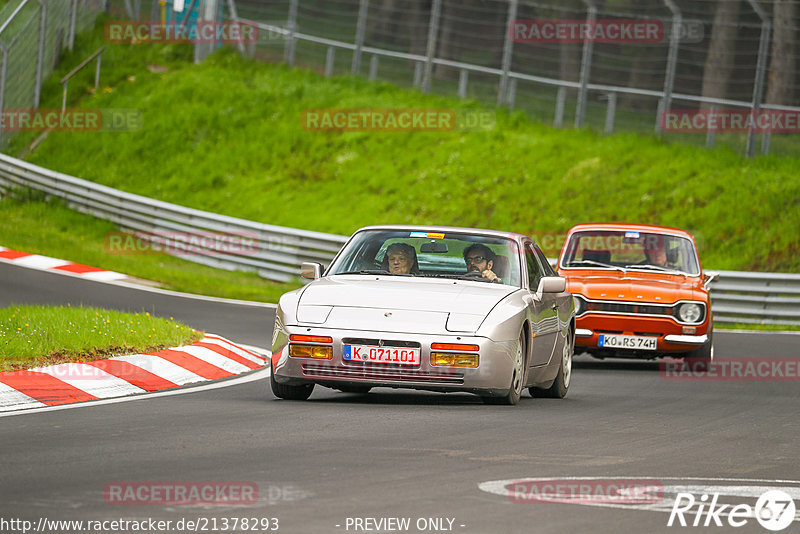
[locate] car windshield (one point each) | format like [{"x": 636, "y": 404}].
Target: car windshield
[
  {"x": 630, "y": 250},
  {"x": 411, "y": 253}
]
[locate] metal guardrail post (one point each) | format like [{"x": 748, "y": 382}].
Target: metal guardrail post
[
  {"x": 508, "y": 51},
  {"x": 361, "y": 29},
  {"x": 129, "y": 8},
  {"x": 586, "y": 66},
  {"x": 672, "y": 58},
  {"x": 288, "y": 52},
  {"x": 37, "y": 88},
  {"x": 433, "y": 32},
  {"x": 761, "y": 68},
  {"x": 765, "y": 138}
]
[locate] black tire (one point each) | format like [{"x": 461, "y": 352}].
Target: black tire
[
  {"x": 700, "y": 358},
  {"x": 560, "y": 386},
  {"x": 285, "y": 391},
  {"x": 517, "y": 377},
  {"x": 361, "y": 390}
]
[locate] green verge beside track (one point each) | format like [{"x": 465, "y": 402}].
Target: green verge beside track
[{"x": 32, "y": 336}]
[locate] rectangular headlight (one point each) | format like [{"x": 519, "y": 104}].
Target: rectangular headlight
[
  {"x": 446, "y": 359},
  {"x": 310, "y": 351}
]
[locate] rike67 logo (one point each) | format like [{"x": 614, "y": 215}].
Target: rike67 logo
[{"x": 774, "y": 510}]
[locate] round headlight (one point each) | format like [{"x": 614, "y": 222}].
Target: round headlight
[
  {"x": 690, "y": 312},
  {"x": 580, "y": 306}
]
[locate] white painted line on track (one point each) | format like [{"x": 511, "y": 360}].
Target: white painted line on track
[{"x": 256, "y": 375}]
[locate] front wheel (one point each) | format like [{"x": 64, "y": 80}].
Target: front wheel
[
  {"x": 517, "y": 377},
  {"x": 561, "y": 384},
  {"x": 700, "y": 358},
  {"x": 285, "y": 391}
]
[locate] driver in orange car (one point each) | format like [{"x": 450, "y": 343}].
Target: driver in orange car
[
  {"x": 655, "y": 250},
  {"x": 480, "y": 259}
]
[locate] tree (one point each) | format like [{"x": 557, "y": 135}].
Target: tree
[
  {"x": 721, "y": 53},
  {"x": 782, "y": 62}
]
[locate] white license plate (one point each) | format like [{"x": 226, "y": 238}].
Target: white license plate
[
  {"x": 371, "y": 354},
  {"x": 627, "y": 342}
]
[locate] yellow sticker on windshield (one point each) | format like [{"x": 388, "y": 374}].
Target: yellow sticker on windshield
[{"x": 432, "y": 235}]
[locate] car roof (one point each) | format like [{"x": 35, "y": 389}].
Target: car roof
[
  {"x": 634, "y": 227},
  {"x": 445, "y": 229}
]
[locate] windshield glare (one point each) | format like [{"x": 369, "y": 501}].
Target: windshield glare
[
  {"x": 631, "y": 250},
  {"x": 428, "y": 254}
]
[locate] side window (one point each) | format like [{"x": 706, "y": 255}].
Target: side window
[
  {"x": 534, "y": 269},
  {"x": 547, "y": 269}
]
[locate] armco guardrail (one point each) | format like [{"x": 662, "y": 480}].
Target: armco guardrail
[
  {"x": 275, "y": 254},
  {"x": 769, "y": 298}
]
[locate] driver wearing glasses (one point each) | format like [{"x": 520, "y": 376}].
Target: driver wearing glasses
[{"x": 480, "y": 259}]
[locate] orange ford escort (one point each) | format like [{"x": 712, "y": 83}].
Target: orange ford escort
[{"x": 639, "y": 292}]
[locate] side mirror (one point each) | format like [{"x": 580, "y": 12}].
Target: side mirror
[
  {"x": 710, "y": 277},
  {"x": 552, "y": 284},
  {"x": 311, "y": 270}
]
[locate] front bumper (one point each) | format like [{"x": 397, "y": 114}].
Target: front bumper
[
  {"x": 492, "y": 377},
  {"x": 672, "y": 338}
]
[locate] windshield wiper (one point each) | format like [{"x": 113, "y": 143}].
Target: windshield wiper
[
  {"x": 654, "y": 267},
  {"x": 592, "y": 262}
]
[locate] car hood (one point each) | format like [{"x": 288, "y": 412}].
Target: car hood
[
  {"x": 414, "y": 305},
  {"x": 634, "y": 287}
]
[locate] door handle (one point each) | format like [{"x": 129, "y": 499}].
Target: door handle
[{"x": 554, "y": 306}]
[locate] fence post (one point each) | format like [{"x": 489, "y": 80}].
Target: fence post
[
  {"x": 433, "y": 32},
  {"x": 373, "y": 67},
  {"x": 761, "y": 68},
  {"x": 361, "y": 28},
  {"x": 329, "y": 58},
  {"x": 586, "y": 66},
  {"x": 3, "y": 72},
  {"x": 288, "y": 51},
  {"x": 209, "y": 15},
  {"x": 561, "y": 97},
  {"x": 711, "y": 132},
  {"x": 611, "y": 110},
  {"x": 73, "y": 20},
  {"x": 37, "y": 94},
  {"x": 765, "y": 138},
  {"x": 418, "y": 67},
  {"x": 672, "y": 58},
  {"x": 235, "y": 18},
  {"x": 129, "y": 8},
  {"x": 508, "y": 50},
  {"x": 463, "y": 79}
]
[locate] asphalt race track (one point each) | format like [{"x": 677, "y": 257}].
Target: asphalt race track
[{"x": 339, "y": 461}]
